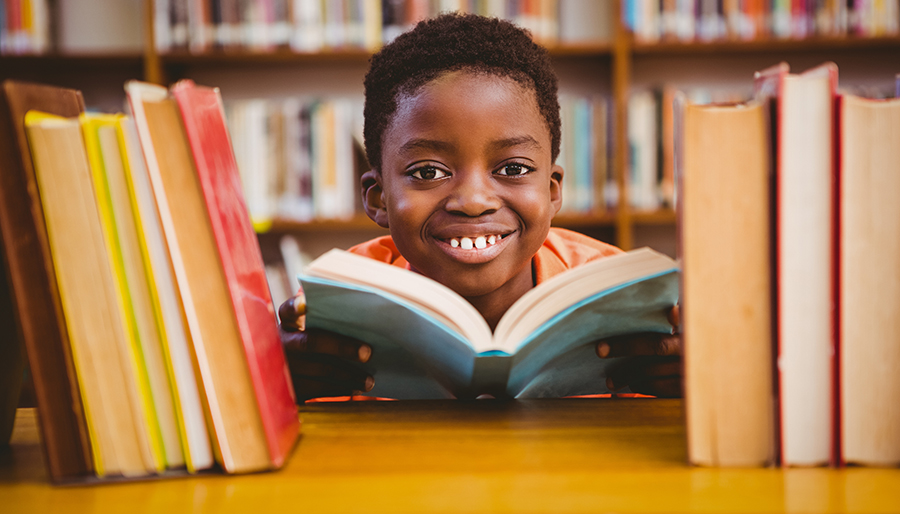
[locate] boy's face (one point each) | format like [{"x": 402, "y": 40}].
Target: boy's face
[{"x": 467, "y": 186}]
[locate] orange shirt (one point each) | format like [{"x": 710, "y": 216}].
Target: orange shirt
[{"x": 563, "y": 249}]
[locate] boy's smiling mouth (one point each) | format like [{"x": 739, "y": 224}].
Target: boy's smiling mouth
[
  {"x": 467, "y": 243},
  {"x": 475, "y": 249}
]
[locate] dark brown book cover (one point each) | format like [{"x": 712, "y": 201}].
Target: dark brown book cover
[
  {"x": 12, "y": 355},
  {"x": 33, "y": 283}
]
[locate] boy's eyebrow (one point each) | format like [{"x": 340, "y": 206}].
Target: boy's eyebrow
[
  {"x": 425, "y": 144},
  {"x": 525, "y": 140},
  {"x": 498, "y": 144}
]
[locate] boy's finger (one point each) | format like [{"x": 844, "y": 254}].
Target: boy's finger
[
  {"x": 642, "y": 370},
  {"x": 290, "y": 312},
  {"x": 640, "y": 344},
  {"x": 675, "y": 318},
  {"x": 323, "y": 342},
  {"x": 330, "y": 370},
  {"x": 339, "y": 346}
]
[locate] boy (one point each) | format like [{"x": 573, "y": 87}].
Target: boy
[{"x": 462, "y": 131}]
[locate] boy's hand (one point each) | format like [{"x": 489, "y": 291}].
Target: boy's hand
[
  {"x": 654, "y": 365},
  {"x": 321, "y": 363}
]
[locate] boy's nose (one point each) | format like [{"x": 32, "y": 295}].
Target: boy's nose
[{"x": 473, "y": 195}]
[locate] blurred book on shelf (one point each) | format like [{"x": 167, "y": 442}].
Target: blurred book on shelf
[
  {"x": 651, "y": 141},
  {"x": 200, "y": 26},
  {"x": 299, "y": 158},
  {"x": 712, "y": 20},
  {"x": 69, "y": 27},
  {"x": 25, "y": 27},
  {"x": 99, "y": 26},
  {"x": 588, "y": 185}
]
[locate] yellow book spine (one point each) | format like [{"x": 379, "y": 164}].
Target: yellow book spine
[
  {"x": 154, "y": 294},
  {"x": 90, "y": 123}
]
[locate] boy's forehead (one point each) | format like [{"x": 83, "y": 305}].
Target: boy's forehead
[{"x": 466, "y": 91}]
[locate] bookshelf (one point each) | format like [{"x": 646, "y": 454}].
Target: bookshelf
[{"x": 614, "y": 66}]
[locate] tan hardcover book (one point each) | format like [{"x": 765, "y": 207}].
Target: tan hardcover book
[
  {"x": 33, "y": 283},
  {"x": 94, "y": 320},
  {"x": 726, "y": 290},
  {"x": 238, "y": 437},
  {"x": 869, "y": 292}
]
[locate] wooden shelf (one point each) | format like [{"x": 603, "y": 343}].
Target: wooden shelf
[
  {"x": 811, "y": 44},
  {"x": 599, "y": 48},
  {"x": 360, "y": 55},
  {"x": 56, "y": 61},
  {"x": 280, "y": 55},
  {"x": 358, "y": 222},
  {"x": 575, "y": 221},
  {"x": 661, "y": 217}
]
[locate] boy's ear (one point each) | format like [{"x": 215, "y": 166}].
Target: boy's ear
[
  {"x": 556, "y": 178},
  {"x": 373, "y": 197}
]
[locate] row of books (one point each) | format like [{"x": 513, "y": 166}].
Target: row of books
[
  {"x": 790, "y": 230},
  {"x": 312, "y": 25},
  {"x": 651, "y": 142},
  {"x": 299, "y": 159},
  {"x": 285, "y": 265},
  {"x": 140, "y": 288},
  {"x": 24, "y": 26},
  {"x": 709, "y": 20},
  {"x": 86, "y": 26},
  {"x": 589, "y": 185}
]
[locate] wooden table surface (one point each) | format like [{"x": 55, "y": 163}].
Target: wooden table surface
[{"x": 576, "y": 455}]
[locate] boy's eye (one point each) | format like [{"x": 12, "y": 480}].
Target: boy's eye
[
  {"x": 514, "y": 169},
  {"x": 429, "y": 173}
]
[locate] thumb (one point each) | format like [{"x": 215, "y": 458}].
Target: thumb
[{"x": 291, "y": 310}]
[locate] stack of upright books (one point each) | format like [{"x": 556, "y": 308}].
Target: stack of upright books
[
  {"x": 139, "y": 286},
  {"x": 790, "y": 231}
]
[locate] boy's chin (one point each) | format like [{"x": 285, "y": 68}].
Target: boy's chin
[{"x": 474, "y": 285}]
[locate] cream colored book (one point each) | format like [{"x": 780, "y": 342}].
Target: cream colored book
[
  {"x": 726, "y": 290},
  {"x": 104, "y": 364},
  {"x": 166, "y": 304},
  {"x": 239, "y": 441}
]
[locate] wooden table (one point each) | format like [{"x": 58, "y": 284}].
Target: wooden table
[{"x": 576, "y": 455}]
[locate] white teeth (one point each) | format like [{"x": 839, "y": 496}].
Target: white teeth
[{"x": 479, "y": 242}]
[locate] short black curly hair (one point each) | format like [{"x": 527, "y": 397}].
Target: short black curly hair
[{"x": 452, "y": 42}]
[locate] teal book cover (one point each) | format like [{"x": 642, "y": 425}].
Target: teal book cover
[{"x": 422, "y": 348}]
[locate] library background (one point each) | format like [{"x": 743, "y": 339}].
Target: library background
[
  {"x": 291, "y": 76},
  {"x": 291, "y": 72}
]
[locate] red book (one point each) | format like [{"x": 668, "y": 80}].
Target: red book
[{"x": 207, "y": 134}]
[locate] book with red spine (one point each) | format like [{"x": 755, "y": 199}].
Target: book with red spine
[
  {"x": 207, "y": 134},
  {"x": 804, "y": 258}
]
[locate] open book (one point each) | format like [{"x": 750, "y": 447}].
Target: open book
[{"x": 429, "y": 342}]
